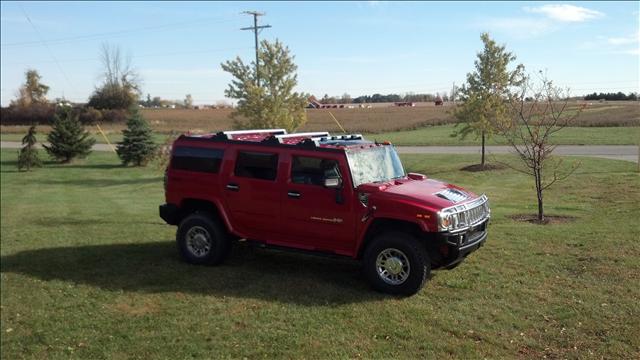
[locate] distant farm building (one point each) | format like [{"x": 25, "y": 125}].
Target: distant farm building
[{"x": 439, "y": 101}]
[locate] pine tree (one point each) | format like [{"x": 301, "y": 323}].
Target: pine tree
[
  {"x": 68, "y": 139},
  {"x": 137, "y": 145},
  {"x": 28, "y": 156}
]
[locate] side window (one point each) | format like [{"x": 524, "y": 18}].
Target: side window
[
  {"x": 312, "y": 171},
  {"x": 257, "y": 165},
  {"x": 197, "y": 159}
]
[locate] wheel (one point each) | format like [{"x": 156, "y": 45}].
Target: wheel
[
  {"x": 202, "y": 240},
  {"x": 396, "y": 263}
]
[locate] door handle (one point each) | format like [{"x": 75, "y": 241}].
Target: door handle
[
  {"x": 294, "y": 194},
  {"x": 233, "y": 187}
]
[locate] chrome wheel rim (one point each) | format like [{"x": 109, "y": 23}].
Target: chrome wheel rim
[
  {"x": 393, "y": 266},
  {"x": 198, "y": 241}
]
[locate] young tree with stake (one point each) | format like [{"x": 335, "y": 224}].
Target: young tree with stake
[
  {"x": 483, "y": 97},
  {"x": 536, "y": 112}
]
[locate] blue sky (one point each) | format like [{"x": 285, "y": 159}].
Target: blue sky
[{"x": 340, "y": 47}]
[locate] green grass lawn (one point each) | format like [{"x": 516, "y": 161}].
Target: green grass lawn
[
  {"x": 88, "y": 270},
  {"x": 441, "y": 135}
]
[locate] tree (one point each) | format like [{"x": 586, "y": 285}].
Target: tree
[
  {"x": 121, "y": 83},
  {"x": 274, "y": 103},
  {"x": 68, "y": 139},
  {"x": 484, "y": 95},
  {"x": 536, "y": 112},
  {"x": 137, "y": 145},
  {"x": 33, "y": 91},
  {"x": 28, "y": 156},
  {"x": 188, "y": 101}
]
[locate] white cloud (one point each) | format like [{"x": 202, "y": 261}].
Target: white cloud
[
  {"x": 625, "y": 40},
  {"x": 565, "y": 12},
  {"x": 519, "y": 27}
]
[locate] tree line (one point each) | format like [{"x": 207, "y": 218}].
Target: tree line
[{"x": 612, "y": 96}]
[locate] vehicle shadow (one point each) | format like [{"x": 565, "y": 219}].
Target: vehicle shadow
[{"x": 156, "y": 268}]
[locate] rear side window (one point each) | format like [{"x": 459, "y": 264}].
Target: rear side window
[
  {"x": 312, "y": 171},
  {"x": 257, "y": 165},
  {"x": 197, "y": 159}
]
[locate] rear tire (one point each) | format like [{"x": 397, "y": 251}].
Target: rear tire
[
  {"x": 202, "y": 240},
  {"x": 396, "y": 263}
]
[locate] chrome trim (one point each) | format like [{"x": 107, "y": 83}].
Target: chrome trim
[
  {"x": 481, "y": 238},
  {"x": 463, "y": 210}
]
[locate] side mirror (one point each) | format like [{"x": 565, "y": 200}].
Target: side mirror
[{"x": 333, "y": 183}]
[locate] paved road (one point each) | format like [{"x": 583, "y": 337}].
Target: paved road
[{"x": 617, "y": 152}]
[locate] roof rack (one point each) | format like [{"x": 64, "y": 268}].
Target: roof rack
[
  {"x": 319, "y": 140},
  {"x": 305, "y": 135},
  {"x": 232, "y": 135}
]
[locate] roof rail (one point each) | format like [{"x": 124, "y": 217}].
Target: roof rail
[
  {"x": 318, "y": 140},
  {"x": 229, "y": 135}
]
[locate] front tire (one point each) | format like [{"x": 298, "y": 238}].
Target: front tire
[
  {"x": 202, "y": 240},
  {"x": 396, "y": 263}
]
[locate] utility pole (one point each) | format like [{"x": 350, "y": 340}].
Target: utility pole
[
  {"x": 453, "y": 93},
  {"x": 256, "y": 29}
]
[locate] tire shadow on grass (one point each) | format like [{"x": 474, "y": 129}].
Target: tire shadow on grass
[{"x": 156, "y": 268}]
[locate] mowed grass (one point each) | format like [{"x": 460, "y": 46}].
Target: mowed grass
[
  {"x": 434, "y": 135},
  {"x": 88, "y": 270},
  {"x": 441, "y": 135}
]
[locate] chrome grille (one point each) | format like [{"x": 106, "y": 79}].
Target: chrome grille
[{"x": 470, "y": 213}]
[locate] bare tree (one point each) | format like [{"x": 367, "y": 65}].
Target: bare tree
[
  {"x": 188, "y": 101},
  {"x": 536, "y": 111},
  {"x": 118, "y": 70},
  {"x": 121, "y": 82}
]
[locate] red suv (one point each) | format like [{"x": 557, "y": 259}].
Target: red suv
[{"x": 338, "y": 195}]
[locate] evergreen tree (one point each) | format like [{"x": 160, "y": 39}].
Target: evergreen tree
[
  {"x": 28, "y": 156},
  {"x": 68, "y": 138},
  {"x": 137, "y": 145}
]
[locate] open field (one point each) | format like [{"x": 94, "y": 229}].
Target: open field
[
  {"x": 375, "y": 120},
  {"x": 88, "y": 270}
]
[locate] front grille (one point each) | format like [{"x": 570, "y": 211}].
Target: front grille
[
  {"x": 473, "y": 215},
  {"x": 470, "y": 213}
]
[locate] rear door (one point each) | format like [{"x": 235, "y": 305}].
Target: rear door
[
  {"x": 316, "y": 217},
  {"x": 251, "y": 191}
]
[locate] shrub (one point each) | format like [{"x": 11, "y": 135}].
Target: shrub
[
  {"x": 114, "y": 116},
  {"x": 34, "y": 114},
  {"x": 89, "y": 116}
]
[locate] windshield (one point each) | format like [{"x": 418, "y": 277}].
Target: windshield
[{"x": 375, "y": 164}]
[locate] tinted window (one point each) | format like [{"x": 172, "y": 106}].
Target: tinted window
[
  {"x": 197, "y": 159},
  {"x": 257, "y": 165},
  {"x": 312, "y": 171}
]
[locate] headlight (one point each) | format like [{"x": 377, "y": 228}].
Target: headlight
[{"x": 447, "y": 220}]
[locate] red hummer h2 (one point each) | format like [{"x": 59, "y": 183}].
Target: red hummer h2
[{"x": 339, "y": 195}]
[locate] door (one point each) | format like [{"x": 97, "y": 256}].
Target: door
[
  {"x": 316, "y": 217},
  {"x": 252, "y": 194}
]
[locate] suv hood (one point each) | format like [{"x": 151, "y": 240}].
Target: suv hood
[{"x": 430, "y": 192}]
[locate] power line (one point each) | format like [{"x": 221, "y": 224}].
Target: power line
[
  {"x": 256, "y": 29},
  {"x": 120, "y": 32},
  {"x": 138, "y": 56},
  {"x": 46, "y": 46}
]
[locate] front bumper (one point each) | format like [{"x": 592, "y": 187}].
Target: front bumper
[
  {"x": 457, "y": 246},
  {"x": 169, "y": 213}
]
